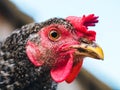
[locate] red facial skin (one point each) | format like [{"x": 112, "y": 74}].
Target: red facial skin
[{"x": 56, "y": 53}]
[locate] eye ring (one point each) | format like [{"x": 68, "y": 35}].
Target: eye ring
[{"x": 54, "y": 35}]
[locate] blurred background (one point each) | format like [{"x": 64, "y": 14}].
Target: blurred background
[{"x": 95, "y": 74}]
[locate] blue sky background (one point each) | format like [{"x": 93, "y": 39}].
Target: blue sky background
[{"x": 108, "y": 30}]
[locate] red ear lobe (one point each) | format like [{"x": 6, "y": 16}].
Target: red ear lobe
[{"x": 33, "y": 54}]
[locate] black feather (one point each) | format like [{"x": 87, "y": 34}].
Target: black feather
[{"x": 16, "y": 71}]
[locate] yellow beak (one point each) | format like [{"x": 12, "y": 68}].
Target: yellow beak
[{"x": 89, "y": 50}]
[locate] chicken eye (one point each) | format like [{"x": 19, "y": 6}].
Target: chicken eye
[{"x": 54, "y": 35}]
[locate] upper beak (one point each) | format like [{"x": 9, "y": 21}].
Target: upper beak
[{"x": 89, "y": 50}]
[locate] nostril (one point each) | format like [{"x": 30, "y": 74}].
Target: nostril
[{"x": 81, "y": 50}]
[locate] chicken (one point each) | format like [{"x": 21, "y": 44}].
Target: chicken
[{"x": 37, "y": 56}]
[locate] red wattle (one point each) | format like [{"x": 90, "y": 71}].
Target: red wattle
[
  {"x": 74, "y": 72},
  {"x": 62, "y": 70}
]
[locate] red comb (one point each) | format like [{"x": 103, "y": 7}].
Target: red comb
[
  {"x": 81, "y": 24},
  {"x": 90, "y": 20}
]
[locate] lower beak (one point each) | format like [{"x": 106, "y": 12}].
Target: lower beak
[{"x": 89, "y": 50}]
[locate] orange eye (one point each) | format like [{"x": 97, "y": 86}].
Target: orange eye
[{"x": 54, "y": 35}]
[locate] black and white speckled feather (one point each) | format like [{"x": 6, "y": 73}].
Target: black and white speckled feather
[{"x": 16, "y": 71}]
